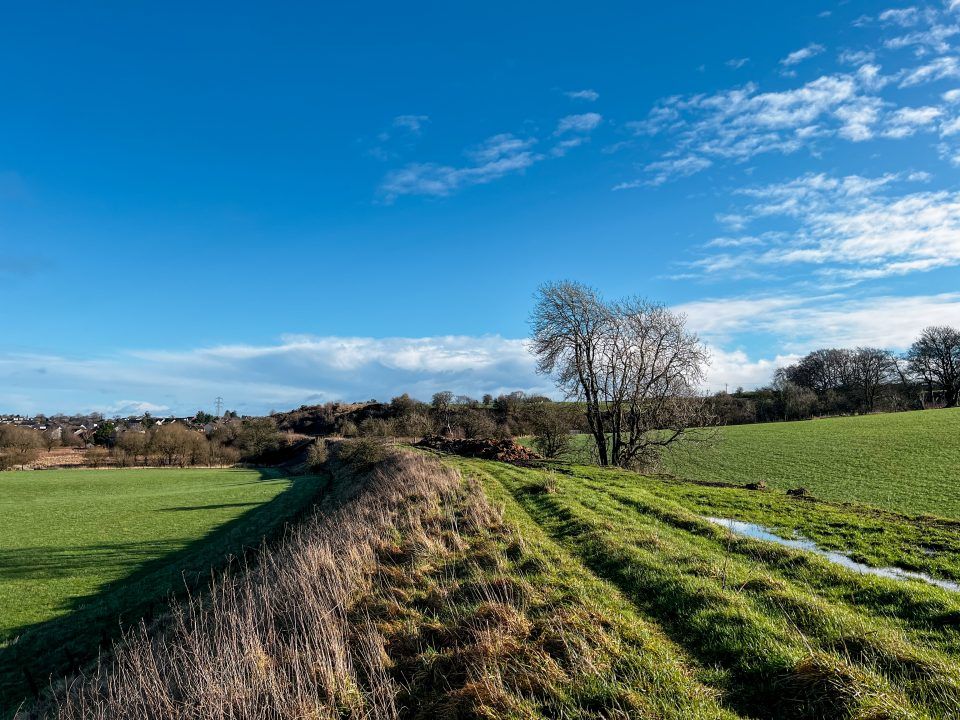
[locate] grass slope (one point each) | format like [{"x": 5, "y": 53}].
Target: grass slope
[
  {"x": 906, "y": 462},
  {"x": 81, "y": 550},
  {"x": 773, "y": 631}
]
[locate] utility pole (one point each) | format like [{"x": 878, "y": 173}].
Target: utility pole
[{"x": 219, "y": 403}]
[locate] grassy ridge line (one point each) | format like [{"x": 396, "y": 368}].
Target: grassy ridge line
[
  {"x": 763, "y": 654},
  {"x": 406, "y": 596}
]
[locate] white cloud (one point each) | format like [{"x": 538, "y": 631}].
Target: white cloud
[
  {"x": 587, "y": 95},
  {"x": 805, "y": 53},
  {"x": 741, "y": 123},
  {"x": 254, "y": 378},
  {"x": 950, "y": 127},
  {"x": 934, "y": 39},
  {"x": 904, "y": 17},
  {"x": 857, "y": 57},
  {"x": 848, "y": 228},
  {"x": 939, "y": 69},
  {"x": 496, "y": 157},
  {"x": 498, "y": 147},
  {"x": 907, "y": 121},
  {"x": 737, "y": 63},
  {"x": 803, "y": 323},
  {"x": 125, "y": 408},
  {"x": 584, "y": 122},
  {"x": 731, "y": 369},
  {"x": 797, "y": 324},
  {"x": 665, "y": 170}
]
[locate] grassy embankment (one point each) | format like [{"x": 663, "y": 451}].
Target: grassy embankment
[
  {"x": 82, "y": 551},
  {"x": 409, "y": 594},
  {"x": 416, "y": 591}
]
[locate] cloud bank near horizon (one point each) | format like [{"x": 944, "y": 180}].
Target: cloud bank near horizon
[{"x": 307, "y": 369}]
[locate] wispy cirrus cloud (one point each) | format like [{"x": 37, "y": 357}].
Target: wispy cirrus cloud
[
  {"x": 743, "y": 122},
  {"x": 804, "y": 53},
  {"x": 496, "y": 157},
  {"x": 939, "y": 69},
  {"x": 904, "y": 17},
  {"x": 583, "y": 123},
  {"x": 860, "y": 105},
  {"x": 847, "y": 229},
  {"x": 908, "y": 121},
  {"x": 587, "y": 95}
]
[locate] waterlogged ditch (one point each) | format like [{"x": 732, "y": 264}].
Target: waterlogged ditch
[{"x": 759, "y": 532}]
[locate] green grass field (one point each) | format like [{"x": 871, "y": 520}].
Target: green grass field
[
  {"x": 907, "y": 462},
  {"x": 770, "y": 631},
  {"x": 83, "y": 550}
]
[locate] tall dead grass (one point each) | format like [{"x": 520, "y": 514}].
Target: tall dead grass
[{"x": 276, "y": 639}]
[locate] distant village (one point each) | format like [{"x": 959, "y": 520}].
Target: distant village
[{"x": 83, "y": 430}]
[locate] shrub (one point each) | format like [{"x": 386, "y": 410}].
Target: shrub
[
  {"x": 317, "y": 454},
  {"x": 477, "y": 424},
  {"x": 552, "y": 424},
  {"x": 348, "y": 429},
  {"x": 96, "y": 457},
  {"x": 361, "y": 454},
  {"x": 376, "y": 427}
]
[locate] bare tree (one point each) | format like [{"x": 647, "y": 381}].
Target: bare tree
[
  {"x": 18, "y": 446},
  {"x": 570, "y": 324},
  {"x": 871, "y": 369},
  {"x": 632, "y": 363},
  {"x": 442, "y": 410},
  {"x": 934, "y": 358},
  {"x": 655, "y": 366}
]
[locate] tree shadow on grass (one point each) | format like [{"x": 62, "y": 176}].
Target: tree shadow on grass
[
  {"x": 207, "y": 507},
  {"x": 40, "y": 653}
]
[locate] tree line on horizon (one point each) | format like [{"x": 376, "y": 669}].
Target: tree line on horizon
[{"x": 854, "y": 381}]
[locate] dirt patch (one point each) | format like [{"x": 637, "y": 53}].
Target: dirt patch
[{"x": 502, "y": 450}]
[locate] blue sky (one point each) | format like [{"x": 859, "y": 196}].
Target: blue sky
[{"x": 307, "y": 203}]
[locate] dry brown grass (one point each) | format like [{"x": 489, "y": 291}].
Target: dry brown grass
[{"x": 278, "y": 639}]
